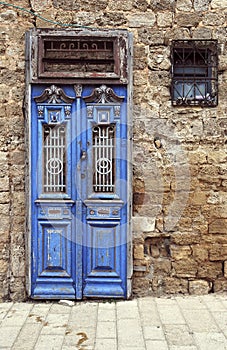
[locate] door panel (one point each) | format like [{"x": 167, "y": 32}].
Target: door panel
[
  {"x": 79, "y": 197},
  {"x": 105, "y": 200},
  {"x": 53, "y": 207}
]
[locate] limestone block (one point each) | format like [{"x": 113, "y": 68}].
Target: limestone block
[
  {"x": 141, "y": 286},
  {"x": 213, "y": 19},
  {"x": 185, "y": 268},
  {"x": 199, "y": 287},
  {"x": 4, "y": 209},
  {"x": 149, "y": 36},
  {"x": 4, "y": 266},
  {"x": 147, "y": 210},
  {"x": 222, "y": 63},
  {"x": 67, "y": 4},
  {"x": 159, "y": 58},
  {"x": 141, "y": 5},
  {"x": 184, "y": 238},
  {"x": 201, "y": 5},
  {"x": 180, "y": 184},
  {"x": 40, "y": 5},
  {"x": 161, "y": 267},
  {"x": 212, "y": 239},
  {"x": 139, "y": 62},
  {"x": 220, "y": 285},
  {"x": 187, "y": 19},
  {"x": 118, "y": 5},
  {"x": 92, "y": 5},
  {"x": 210, "y": 270},
  {"x": 184, "y": 5},
  {"x": 180, "y": 252},
  {"x": 200, "y": 252},
  {"x": 170, "y": 285},
  {"x": 84, "y": 17},
  {"x": 214, "y": 198},
  {"x": 218, "y": 252},
  {"x": 140, "y": 78},
  {"x": 198, "y": 198},
  {"x": 155, "y": 76},
  {"x": 17, "y": 158},
  {"x": 218, "y": 226},
  {"x": 4, "y": 197},
  {"x": 18, "y": 261},
  {"x": 202, "y": 33},
  {"x": 197, "y": 128},
  {"x": 198, "y": 157},
  {"x": 17, "y": 289},
  {"x": 177, "y": 34},
  {"x": 219, "y": 4},
  {"x": 138, "y": 251},
  {"x": 49, "y": 14},
  {"x": 218, "y": 156},
  {"x": 211, "y": 128},
  {"x": 143, "y": 224},
  {"x": 8, "y": 15},
  {"x": 140, "y": 20},
  {"x": 164, "y": 19},
  {"x": 157, "y": 5},
  {"x": 111, "y": 19}
]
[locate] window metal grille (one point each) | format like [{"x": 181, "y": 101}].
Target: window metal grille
[
  {"x": 103, "y": 158},
  {"x": 81, "y": 55},
  {"x": 194, "y": 72},
  {"x": 54, "y": 158}
]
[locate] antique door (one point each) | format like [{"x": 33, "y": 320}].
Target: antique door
[{"x": 79, "y": 183}]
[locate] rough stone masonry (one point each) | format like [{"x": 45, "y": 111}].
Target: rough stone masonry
[{"x": 179, "y": 153}]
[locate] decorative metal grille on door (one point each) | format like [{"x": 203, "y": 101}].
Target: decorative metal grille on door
[
  {"x": 103, "y": 158},
  {"x": 54, "y": 158}
]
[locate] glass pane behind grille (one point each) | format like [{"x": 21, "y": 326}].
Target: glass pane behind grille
[
  {"x": 54, "y": 158},
  {"x": 103, "y": 158}
]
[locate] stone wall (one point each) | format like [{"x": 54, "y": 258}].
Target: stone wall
[{"x": 180, "y": 180}]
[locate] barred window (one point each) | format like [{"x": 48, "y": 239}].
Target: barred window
[{"x": 194, "y": 72}]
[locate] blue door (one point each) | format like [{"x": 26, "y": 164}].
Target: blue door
[{"x": 79, "y": 209}]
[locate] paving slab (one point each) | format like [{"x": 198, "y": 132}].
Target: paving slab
[
  {"x": 179, "y": 335},
  {"x": 210, "y": 341},
  {"x": 168, "y": 323}
]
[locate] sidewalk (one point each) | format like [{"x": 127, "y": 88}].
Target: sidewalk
[{"x": 176, "y": 323}]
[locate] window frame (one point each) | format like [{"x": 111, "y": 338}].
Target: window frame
[{"x": 194, "y": 73}]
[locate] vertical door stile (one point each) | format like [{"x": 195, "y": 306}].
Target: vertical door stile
[{"x": 78, "y": 233}]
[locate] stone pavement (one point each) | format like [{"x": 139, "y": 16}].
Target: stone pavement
[{"x": 176, "y": 323}]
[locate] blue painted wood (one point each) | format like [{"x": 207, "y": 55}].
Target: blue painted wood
[
  {"x": 53, "y": 243},
  {"x": 105, "y": 218},
  {"x": 79, "y": 238}
]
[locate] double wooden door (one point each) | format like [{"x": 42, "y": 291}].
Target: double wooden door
[{"x": 79, "y": 191}]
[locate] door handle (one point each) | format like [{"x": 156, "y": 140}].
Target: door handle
[{"x": 83, "y": 155}]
